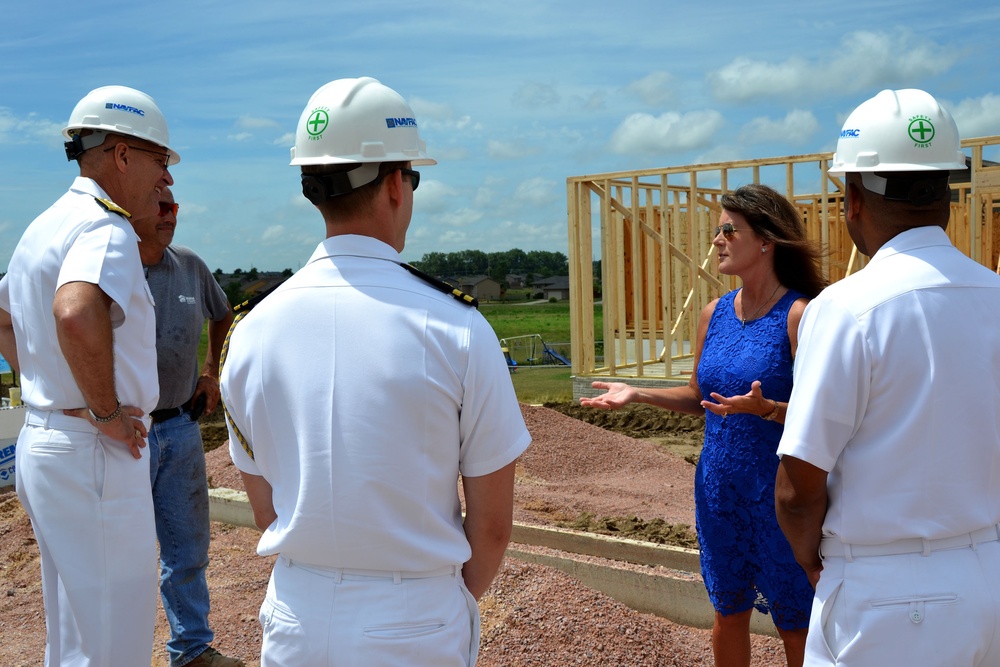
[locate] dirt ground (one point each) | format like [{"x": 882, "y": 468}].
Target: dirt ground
[{"x": 629, "y": 466}]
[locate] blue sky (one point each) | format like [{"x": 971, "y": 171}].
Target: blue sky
[{"x": 511, "y": 97}]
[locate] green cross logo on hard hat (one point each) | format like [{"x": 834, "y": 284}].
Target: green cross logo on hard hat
[
  {"x": 318, "y": 120},
  {"x": 921, "y": 130}
]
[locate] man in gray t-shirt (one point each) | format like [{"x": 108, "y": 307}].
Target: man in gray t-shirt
[{"x": 186, "y": 295}]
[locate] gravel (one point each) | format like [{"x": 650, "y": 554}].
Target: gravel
[{"x": 532, "y": 615}]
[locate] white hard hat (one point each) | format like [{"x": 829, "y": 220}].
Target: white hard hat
[
  {"x": 358, "y": 121},
  {"x": 898, "y": 130},
  {"x": 119, "y": 110}
]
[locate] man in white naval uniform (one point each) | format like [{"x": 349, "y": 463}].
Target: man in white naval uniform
[
  {"x": 358, "y": 393},
  {"x": 76, "y": 319},
  {"x": 888, "y": 485}
]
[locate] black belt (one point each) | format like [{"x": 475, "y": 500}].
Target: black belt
[{"x": 163, "y": 415}]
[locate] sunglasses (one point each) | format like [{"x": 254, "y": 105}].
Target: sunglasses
[
  {"x": 414, "y": 176},
  {"x": 727, "y": 230},
  {"x": 165, "y": 156},
  {"x": 168, "y": 208}
]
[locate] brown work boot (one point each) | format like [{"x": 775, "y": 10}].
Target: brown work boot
[{"x": 212, "y": 658}]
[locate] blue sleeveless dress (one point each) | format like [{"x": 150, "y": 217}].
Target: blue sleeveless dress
[{"x": 745, "y": 559}]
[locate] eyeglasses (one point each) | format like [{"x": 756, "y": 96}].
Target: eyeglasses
[
  {"x": 168, "y": 208},
  {"x": 414, "y": 176},
  {"x": 727, "y": 230},
  {"x": 165, "y": 156}
]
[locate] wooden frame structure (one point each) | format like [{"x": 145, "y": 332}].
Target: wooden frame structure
[{"x": 654, "y": 229}]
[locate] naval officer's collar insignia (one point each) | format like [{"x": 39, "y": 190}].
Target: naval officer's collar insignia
[
  {"x": 109, "y": 205},
  {"x": 442, "y": 286}
]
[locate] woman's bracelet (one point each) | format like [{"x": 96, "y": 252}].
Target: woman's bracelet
[{"x": 773, "y": 414}]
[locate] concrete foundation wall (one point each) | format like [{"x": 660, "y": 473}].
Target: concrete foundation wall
[{"x": 678, "y": 596}]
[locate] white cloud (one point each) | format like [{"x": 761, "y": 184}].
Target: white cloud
[
  {"x": 446, "y": 154},
  {"x": 795, "y": 128},
  {"x": 274, "y": 233},
  {"x": 484, "y": 197},
  {"x": 252, "y": 123},
  {"x": 426, "y": 110},
  {"x": 240, "y": 136},
  {"x": 654, "y": 89},
  {"x": 595, "y": 101},
  {"x": 459, "y": 218},
  {"x": 433, "y": 196},
  {"x": 978, "y": 117},
  {"x": 28, "y": 129},
  {"x": 536, "y": 96},
  {"x": 190, "y": 208},
  {"x": 643, "y": 133},
  {"x": 506, "y": 150},
  {"x": 863, "y": 60},
  {"x": 287, "y": 139},
  {"x": 536, "y": 192}
]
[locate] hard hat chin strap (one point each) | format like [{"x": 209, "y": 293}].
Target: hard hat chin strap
[
  {"x": 317, "y": 188},
  {"x": 76, "y": 146},
  {"x": 920, "y": 189}
]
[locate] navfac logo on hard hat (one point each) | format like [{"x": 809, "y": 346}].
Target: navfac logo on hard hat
[
  {"x": 400, "y": 122},
  {"x": 124, "y": 107},
  {"x": 854, "y": 134}
]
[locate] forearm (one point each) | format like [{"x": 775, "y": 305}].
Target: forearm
[
  {"x": 8, "y": 342},
  {"x": 488, "y": 549},
  {"x": 217, "y": 331},
  {"x": 677, "y": 399},
  {"x": 801, "y": 504},
  {"x": 83, "y": 326},
  {"x": 488, "y": 524},
  {"x": 261, "y": 501}
]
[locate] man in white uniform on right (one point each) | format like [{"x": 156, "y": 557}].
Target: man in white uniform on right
[
  {"x": 889, "y": 483},
  {"x": 357, "y": 393}
]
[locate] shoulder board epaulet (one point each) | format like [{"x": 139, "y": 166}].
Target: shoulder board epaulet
[
  {"x": 109, "y": 205},
  {"x": 254, "y": 300},
  {"x": 240, "y": 311},
  {"x": 442, "y": 286}
]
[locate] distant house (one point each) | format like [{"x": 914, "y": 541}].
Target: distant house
[
  {"x": 481, "y": 287},
  {"x": 516, "y": 280},
  {"x": 540, "y": 282},
  {"x": 556, "y": 286}
]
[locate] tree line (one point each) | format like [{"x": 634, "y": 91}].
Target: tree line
[{"x": 496, "y": 265}]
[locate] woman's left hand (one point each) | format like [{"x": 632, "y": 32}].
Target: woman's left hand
[{"x": 752, "y": 403}]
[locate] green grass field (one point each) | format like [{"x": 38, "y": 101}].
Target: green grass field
[
  {"x": 549, "y": 320},
  {"x": 543, "y": 385}
]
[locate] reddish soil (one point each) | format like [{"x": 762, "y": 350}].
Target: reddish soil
[{"x": 532, "y": 615}]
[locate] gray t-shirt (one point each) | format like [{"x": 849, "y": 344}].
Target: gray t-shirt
[{"x": 186, "y": 294}]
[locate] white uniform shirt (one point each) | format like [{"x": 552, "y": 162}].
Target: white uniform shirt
[
  {"x": 897, "y": 394},
  {"x": 76, "y": 240},
  {"x": 364, "y": 392}
]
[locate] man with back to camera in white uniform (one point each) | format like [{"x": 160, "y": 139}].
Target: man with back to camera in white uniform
[
  {"x": 186, "y": 295},
  {"x": 357, "y": 393},
  {"x": 76, "y": 319},
  {"x": 887, "y": 488}
]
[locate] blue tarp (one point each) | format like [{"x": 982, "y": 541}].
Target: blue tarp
[{"x": 4, "y": 366}]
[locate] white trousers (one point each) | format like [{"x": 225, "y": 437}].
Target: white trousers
[
  {"x": 92, "y": 512},
  {"x": 322, "y": 618},
  {"x": 939, "y": 610}
]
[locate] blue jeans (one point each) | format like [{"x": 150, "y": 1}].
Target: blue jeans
[{"x": 180, "y": 503}]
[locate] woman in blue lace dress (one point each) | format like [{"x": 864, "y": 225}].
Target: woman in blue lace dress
[{"x": 741, "y": 382}]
